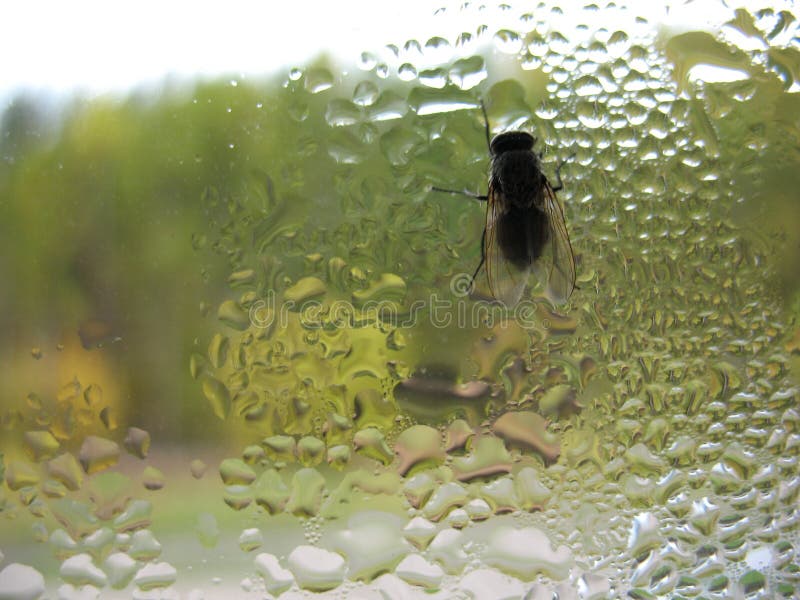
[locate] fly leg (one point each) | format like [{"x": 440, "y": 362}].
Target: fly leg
[
  {"x": 486, "y": 127},
  {"x": 559, "y": 184},
  {"x": 480, "y": 197},
  {"x": 483, "y": 260}
]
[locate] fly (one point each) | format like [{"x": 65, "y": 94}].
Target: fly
[{"x": 524, "y": 221}]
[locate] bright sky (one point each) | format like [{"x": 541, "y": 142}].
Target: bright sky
[{"x": 111, "y": 45}]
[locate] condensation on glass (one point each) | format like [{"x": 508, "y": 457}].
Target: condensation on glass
[{"x": 398, "y": 436}]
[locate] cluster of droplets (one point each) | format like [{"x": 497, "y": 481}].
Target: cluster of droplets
[
  {"x": 68, "y": 480},
  {"x": 642, "y": 440},
  {"x": 657, "y": 406}
]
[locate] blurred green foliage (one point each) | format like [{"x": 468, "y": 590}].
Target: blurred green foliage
[
  {"x": 116, "y": 211},
  {"x": 100, "y": 202},
  {"x": 115, "y": 227},
  {"x": 115, "y": 219}
]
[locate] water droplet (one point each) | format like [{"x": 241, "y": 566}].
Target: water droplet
[
  {"x": 365, "y": 93},
  {"x": 318, "y": 80},
  {"x": 367, "y": 61},
  {"x": 530, "y": 429},
  {"x": 316, "y": 569},
  {"x": 430, "y": 101},
  {"x": 371, "y": 543},
  {"x": 120, "y": 569},
  {"x": 155, "y": 576},
  {"x": 310, "y": 451},
  {"x": 153, "y": 479},
  {"x": 276, "y": 579},
  {"x": 137, "y": 442},
  {"x": 487, "y": 583},
  {"x": 250, "y": 539},
  {"x": 307, "y": 489},
  {"x": 447, "y": 548},
  {"x": 387, "y": 107},
  {"x": 144, "y": 546},
  {"x": 234, "y": 471},
  {"x": 207, "y": 529},
  {"x": 508, "y": 42},
  {"x": 433, "y": 78},
  {"x": 232, "y": 315},
  {"x": 197, "y": 468},
  {"x": 97, "y": 454},
  {"x": 135, "y": 516},
  {"x": 218, "y": 396},
  {"x": 341, "y": 113},
  {"x": 21, "y": 582},
  {"x": 407, "y": 72},
  {"x": 40, "y": 445},
  {"x": 270, "y": 492},
  {"x": 437, "y": 50},
  {"x": 445, "y": 498},
  {"x": 415, "y": 570},
  {"x": 466, "y": 73},
  {"x": 527, "y": 552},
  {"x": 418, "y": 446},
  {"x": 488, "y": 457}
]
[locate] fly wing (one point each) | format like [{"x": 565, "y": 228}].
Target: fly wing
[
  {"x": 506, "y": 281},
  {"x": 561, "y": 281}
]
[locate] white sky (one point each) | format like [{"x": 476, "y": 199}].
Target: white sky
[{"x": 111, "y": 45}]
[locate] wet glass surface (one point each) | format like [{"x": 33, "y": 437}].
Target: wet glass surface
[{"x": 242, "y": 358}]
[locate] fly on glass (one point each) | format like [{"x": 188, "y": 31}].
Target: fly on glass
[{"x": 525, "y": 229}]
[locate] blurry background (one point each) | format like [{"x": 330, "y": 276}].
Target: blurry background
[
  {"x": 116, "y": 121},
  {"x": 151, "y": 155}
]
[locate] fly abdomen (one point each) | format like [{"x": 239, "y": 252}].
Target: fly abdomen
[{"x": 522, "y": 235}]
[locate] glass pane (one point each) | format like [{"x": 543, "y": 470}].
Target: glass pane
[{"x": 303, "y": 331}]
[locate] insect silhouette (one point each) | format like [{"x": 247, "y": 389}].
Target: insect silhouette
[{"x": 524, "y": 221}]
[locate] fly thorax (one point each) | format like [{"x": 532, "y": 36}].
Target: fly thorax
[{"x": 518, "y": 176}]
